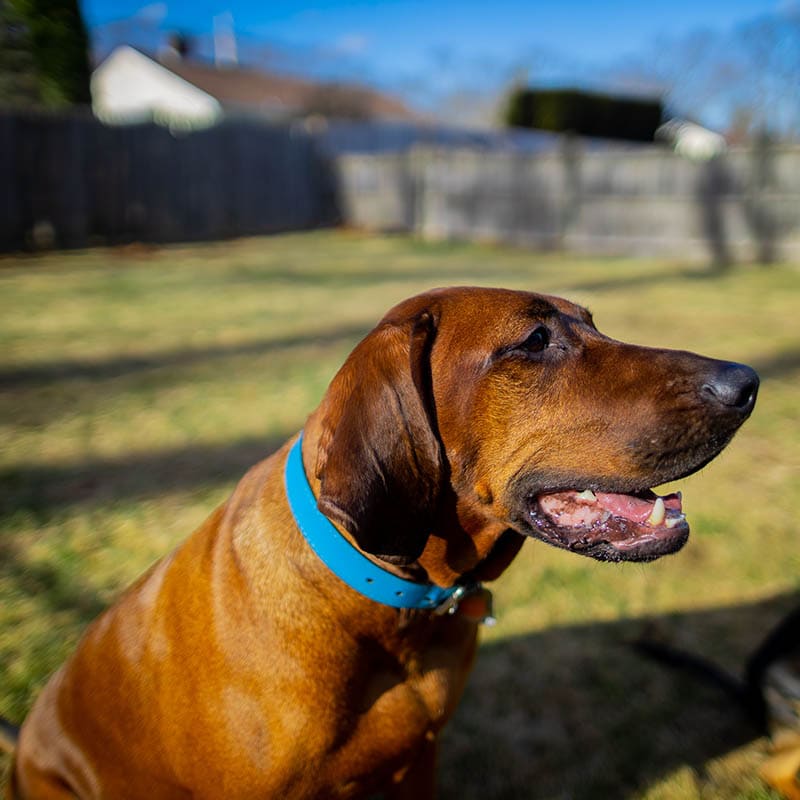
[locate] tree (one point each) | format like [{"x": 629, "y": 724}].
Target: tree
[
  {"x": 744, "y": 80},
  {"x": 18, "y": 83},
  {"x": 59, "y": 49},
  {"x": 585, "y": 113}
]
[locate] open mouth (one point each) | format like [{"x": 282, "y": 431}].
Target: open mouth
[{"x": 608, "y": 526}]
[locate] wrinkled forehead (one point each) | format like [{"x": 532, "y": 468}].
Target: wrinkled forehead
[
  {"x": 569, "y": 309},
  {"x": 493, "y": 312}
]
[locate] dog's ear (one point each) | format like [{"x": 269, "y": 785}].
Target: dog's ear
[{"x": 379, "y": 460}]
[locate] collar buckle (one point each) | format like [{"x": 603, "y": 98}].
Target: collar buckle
[{"x": 472, "y": 600}]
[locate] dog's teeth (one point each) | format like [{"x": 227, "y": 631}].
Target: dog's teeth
[
  {"x": 658, "y": 513},
  {"x": 671, "y": 522},
  {"x": 587, "y": 494}
]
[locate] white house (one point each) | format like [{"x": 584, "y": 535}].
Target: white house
[
  {"x": 691, "y": 140},
  {"x": 130, "y": 86}
]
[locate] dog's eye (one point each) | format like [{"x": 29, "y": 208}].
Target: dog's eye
[{"x": 537, "y": 341}]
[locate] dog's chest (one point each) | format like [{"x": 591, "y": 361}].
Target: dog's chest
[
  {"x": 397, "y": 720},
  {"x": 400, "y": 706},
  {"x": 415, "y": 704}
]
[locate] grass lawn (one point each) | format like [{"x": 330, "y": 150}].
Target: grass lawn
[{"x": 137, "y": 385}]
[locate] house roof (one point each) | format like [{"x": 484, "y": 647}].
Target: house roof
[
  {"x": 130, "y": 86},
  {"x": 243, "y": 88}
]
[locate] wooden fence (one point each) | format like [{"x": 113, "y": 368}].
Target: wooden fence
[
  {"x": 69, "y": 181},
  {"x": 629, "y": 200}
]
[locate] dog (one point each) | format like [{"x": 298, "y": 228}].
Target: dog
[{"x": 313, "y": 636}]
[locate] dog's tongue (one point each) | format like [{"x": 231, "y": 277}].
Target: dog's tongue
[
  {"x": 634, "y": 508},
  {"x": 586, "y": 508}
]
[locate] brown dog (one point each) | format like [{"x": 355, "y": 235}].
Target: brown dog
[{"x": 240, "y": 666}]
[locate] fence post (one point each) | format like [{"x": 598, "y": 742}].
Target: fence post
[
  {"x": 416, "y": 172},
  {"x": 759, "y": 209},
  {"x": 571, "y": 201}
]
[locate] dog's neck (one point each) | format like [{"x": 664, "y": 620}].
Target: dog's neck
[
  {"x": 348, "y": 563},
  {"x": 464, "y": 542}
]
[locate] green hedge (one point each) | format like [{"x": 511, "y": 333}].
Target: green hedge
[{"x": 584, "y": 113}]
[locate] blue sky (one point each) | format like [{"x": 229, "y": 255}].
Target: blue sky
[
  {"x": 428, "y": 49},
  {"x": 400, "y": 34}
]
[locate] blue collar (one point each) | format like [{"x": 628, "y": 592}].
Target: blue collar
[{"x": 346, "y": 562}]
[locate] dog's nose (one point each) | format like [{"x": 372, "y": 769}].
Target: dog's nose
[{"x": 734, "y": 386}]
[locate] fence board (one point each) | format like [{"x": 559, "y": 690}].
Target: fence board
[{"x": 72, "y": 179}]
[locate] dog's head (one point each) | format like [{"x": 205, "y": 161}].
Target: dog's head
[{"x": 466, "y": 408}]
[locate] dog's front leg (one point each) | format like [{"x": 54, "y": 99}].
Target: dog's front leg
[{"x": 417, "y": 782}]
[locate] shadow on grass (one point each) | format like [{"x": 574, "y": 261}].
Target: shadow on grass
[
  {"x": 574, "y": 712},
  {"x": 43, "y": 490},
  {"x": 60, "y": 589},
  {"x": 49, "y": 372},
  {"x": 112, "y": 368},
  {"x": 660, "y": 276},
  {"x": 779, "y": 365}
]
